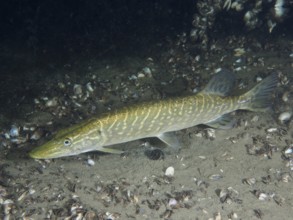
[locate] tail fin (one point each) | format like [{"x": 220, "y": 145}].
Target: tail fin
[{"x": 259, "y": 98}]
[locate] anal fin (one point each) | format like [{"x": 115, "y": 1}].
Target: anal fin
[
  {"x": 170, "y": 139},
  {"x": 224, "y": 122}
]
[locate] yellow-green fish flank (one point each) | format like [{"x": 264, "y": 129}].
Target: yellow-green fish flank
[{"x": 159, "y": 118}]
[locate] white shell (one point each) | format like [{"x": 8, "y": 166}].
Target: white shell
[
  {"x": 8, "y": 201},
  {"x": 255, "y": 118},
  {"x": 249, "y": 181},
  {"x": 170, "y": 171},
  {"x": 263, "y": 196},
  {"x": 52, "y": 102},
  {"x": 147, "y": 71},
  {"x": 237, "y": 6},
  {"x": 37, "y": 101},
  {"x": 279, "y": 9},
  {"x": 258, "y": 79},
  {"x": 289, "y": 150},
  {"x": 90, "y": 162},
  {"x": 172, "y": 202},
  {"x": 61, "y": 85},
  {"x": 285, "y": 116},
  {"x": 31, "y": 191},
  {"x": 132, "y": 77},
  {"x": 215, "y": 177},
  {"x": 140, "y": 75},
  {"x": 14, "y": 131},
  {"x": 36, "y": 135},
  {"x": 211, "y": 133},
  {"x": 89, "y": 87},
  {"x": 77, "y": 89},
  {"x": 271, "y": 130},
  {"x": 218, "y": 216},
  {"x": 218, "y": 70},
  {"x": 247, "y": 16},
  {"x": 285, "y": 97}
]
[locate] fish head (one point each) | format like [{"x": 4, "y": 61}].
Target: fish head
[{"x": 68, "y": 142}]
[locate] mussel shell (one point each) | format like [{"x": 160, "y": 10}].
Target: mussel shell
[{"x": 155, "y": 154}]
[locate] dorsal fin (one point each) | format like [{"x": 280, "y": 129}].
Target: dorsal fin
[{"x": 221, "y": 84}]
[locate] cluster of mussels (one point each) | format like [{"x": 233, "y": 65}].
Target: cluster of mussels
[{"x": 254, "y": 14}]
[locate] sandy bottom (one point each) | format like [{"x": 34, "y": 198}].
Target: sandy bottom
[
  {"x": 134, "y": 187},
  {"x": 242, "y": 173}
]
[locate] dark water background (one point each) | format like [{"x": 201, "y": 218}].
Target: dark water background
[{"x": 38, "y": 38}]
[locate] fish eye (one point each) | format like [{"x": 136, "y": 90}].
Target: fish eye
[{"x": 67, "y": 142}]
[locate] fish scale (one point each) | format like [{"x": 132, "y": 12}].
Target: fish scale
[{"x": 159, "y": 118}]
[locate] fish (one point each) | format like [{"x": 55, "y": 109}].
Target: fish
[{"x": 212, "y": 107}]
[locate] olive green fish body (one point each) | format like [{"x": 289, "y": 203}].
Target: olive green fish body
[
  {"x": 157, "y": 119},
  {"x": 151, "y": 119}
]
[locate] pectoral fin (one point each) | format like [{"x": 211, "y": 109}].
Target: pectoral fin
[
  {"x": 111, "y": 150},
  {"x": 170, "y": 139},
  {"x": 224, "y": 122}
]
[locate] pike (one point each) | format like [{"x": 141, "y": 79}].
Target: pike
[{"x": 159, "y": 119}]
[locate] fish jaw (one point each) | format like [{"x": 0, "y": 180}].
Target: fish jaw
[
  {"x": 55, "y": 149},
  {"x": 49, "y": 150},
  {"x": 71, "y": 141},
  {"x": 59, "y": 147}
]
